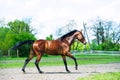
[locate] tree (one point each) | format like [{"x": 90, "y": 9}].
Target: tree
[
  {"x": 18, "y": 26},
  {"x": 23, "y": 32},
  {"x": 15, "y": 32},
  {"x": 3, "y": 33},
  {"x": 101, "y": 29},
  {"x": 25, "y": 49},
  {"x": 116, "y": 34},
  {"x": 50, "y": 37},
  {"x": 106, "y": 34}
]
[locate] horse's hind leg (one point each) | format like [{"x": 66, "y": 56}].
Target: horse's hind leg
[
  {"x": 27, "y": 60},
  {"x": 39, "y": 55}
]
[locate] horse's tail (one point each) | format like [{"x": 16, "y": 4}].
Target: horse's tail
[{"x": 18, "y": 44}]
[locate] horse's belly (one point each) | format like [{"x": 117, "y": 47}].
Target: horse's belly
[
  {"x": 53, "y": 52},
  {"x": 57, "y": 51}
]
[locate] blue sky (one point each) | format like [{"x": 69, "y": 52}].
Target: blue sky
[{"x": 48, "y": 15}]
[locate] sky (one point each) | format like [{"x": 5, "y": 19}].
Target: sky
[{"x": 49, "y": 15}]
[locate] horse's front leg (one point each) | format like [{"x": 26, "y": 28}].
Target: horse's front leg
[
  {"x": 65, "y": 63},
  {"x": 71, "y": 56}
]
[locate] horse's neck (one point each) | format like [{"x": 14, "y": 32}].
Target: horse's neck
[{"x": 70, "y": 39}]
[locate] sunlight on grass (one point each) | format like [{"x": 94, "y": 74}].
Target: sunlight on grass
[{"x": 103, "y": 76}]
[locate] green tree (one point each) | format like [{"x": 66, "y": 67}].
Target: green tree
[
  {"x": 50, "y": 37},
  {"x": 15, "y": 31},
  {"x": 107, "y": 35},
  {"x": 3, "y": 33},
  {"x": 18, "y": 26},
  {"x": 25, "y": 49},
  {"x": 22, "y": 32}
]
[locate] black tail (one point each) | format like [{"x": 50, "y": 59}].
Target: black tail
[{"x": 18, "y": 44}]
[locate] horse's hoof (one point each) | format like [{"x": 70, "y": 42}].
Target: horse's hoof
[
  {"x": 76, "y": 68},
  {"x": 41, "y": 72},
  {"x": 23, "y": 70},
  {"x": 68, "y": 71}
]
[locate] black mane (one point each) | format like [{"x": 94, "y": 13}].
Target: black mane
[{"x": 68, "y": 34}]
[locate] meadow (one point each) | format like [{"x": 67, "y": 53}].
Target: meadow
[{"x": 82, "y": 59}]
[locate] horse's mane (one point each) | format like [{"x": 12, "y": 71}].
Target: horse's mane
[{"x": 68, "y": 34}]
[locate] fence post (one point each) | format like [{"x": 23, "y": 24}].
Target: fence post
[
  {"x": 17, "y": 52},
  {"x": 8, "y": 53}
]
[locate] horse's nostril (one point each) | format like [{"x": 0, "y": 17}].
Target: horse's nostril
[{"x": 85, "y": 43}]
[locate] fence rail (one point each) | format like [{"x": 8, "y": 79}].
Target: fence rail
[
  {"x": 77, "y": 52},
  {"x": 107, "y": 52},
  {"x": 94, "y": 52}
]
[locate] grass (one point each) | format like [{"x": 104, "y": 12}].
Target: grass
[
  {"x": 103, "y": 76},
  {"x": 82, "y": 59}
]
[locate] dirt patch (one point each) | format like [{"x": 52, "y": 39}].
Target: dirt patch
[{"x": 57, "y": 72}]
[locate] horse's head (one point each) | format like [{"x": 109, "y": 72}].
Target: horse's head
[{"x": 80, "y": 37}]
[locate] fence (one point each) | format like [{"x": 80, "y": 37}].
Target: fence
[{"x": 76, "y": 52}]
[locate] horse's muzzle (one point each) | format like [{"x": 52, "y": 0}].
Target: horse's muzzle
[{"x": 85, "y": 43}]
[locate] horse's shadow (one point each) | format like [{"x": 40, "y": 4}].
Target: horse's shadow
[
  {"x": 59, "y": 72},
  {"x": 62, "y": 73}
]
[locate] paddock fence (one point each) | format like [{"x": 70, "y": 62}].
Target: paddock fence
[{"x": 76, "y": 52}]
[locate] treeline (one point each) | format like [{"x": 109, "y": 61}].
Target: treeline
[{"x": 106, "y": 35}]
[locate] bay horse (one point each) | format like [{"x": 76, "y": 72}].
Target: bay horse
[{"x": 60, "y": 46}]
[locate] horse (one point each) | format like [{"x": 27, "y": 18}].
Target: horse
[{"x": 60, "y": 46}]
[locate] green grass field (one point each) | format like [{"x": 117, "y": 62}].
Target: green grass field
[
  {"x": 103, "y": 76},
  {"x": 82, "y": 59}
]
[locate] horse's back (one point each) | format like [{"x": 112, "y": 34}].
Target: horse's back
[
  {"x": 46, "y": 44},
  {"x": 51, "y": 47}
]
